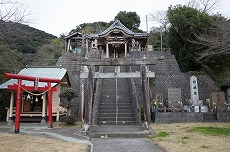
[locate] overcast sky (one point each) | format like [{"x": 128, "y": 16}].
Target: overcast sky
[{"x": 60, "y": 16}]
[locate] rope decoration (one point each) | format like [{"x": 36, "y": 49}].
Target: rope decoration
[{"x": 35, "y": 94}]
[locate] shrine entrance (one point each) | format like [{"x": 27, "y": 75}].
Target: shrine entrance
[
  {"x": 19, "y": 88},
  {"x": 92, "y": 103},
  {"x": 116, "y": 50}
]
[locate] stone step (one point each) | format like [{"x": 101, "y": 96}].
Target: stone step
[
  {"x": 120, "y": 104},
  {"x": 114, "y": 123},
  {"x": 114, "y": 107},
  {"x": 114, "y": 114},
  {"x": 113, "y": 92},
  {"x": 118, "y": 131},
  {"x": 112, "y": 101},
  {"x": 114, "y": 110},
  {"x": 107, "y": 107},
  {"x": 114, "y": 119},
  {"x": 141, "y": 134},
  {"x": 113, "y": 96}
]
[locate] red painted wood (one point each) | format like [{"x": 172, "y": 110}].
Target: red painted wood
[
  {"x": 18, "y": 87},
  {"x": 18, "y": 107},
  {"x": 30, "y": 78},
  {"x": 50, "y": 106}
]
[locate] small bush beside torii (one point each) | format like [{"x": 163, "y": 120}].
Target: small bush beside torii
[{"x": 66, "y": 101}]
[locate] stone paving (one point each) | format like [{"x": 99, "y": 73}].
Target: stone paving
[{"x": 75, "y": 135}]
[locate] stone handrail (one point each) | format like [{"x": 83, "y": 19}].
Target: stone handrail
[
  {"x": 97, "y": 96},
  {"x": 135, "y": 103}
]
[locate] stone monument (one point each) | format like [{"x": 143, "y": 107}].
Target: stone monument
[
  {"x": 194, "y": 91},
  {"x": 174, "y": 97},
  {"x": 218, "y": 99}
]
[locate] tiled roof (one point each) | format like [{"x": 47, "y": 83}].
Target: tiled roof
[
  {"x": 118, "y": 25},
  {"x": 73, "y": 34},
  {"x": 44, "y": 72}
]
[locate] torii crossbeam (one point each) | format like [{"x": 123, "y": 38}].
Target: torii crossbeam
[
  {"x": 90, "y": 74},
  {"x": 18, "y": 87}
]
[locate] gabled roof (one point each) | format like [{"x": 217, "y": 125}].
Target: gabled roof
[
  {"x": 45, "y": 72},
  {"x": 116, "y": 25},
  {"x": 75, "y": 34}
]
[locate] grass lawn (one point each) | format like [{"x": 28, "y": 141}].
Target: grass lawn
[
  {"x": 194, "y": 137},
  {"x": 24, "y": 143}
]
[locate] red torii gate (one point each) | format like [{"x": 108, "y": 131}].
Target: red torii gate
[{"x": 19, "y": 87}]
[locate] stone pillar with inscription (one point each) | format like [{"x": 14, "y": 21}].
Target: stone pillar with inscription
[{"x": 194, "y": 91}]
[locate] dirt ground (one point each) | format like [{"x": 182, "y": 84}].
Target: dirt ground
[
  {"x": 180, "y": 139},
  {"x": 17, "y": 143}
]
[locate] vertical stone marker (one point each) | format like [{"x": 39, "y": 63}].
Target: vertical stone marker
[
  {"x": 218, "y": 99},
  {"x": 194, "y": 90}
]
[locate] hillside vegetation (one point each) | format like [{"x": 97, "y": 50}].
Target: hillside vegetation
[
  {"x": 22, "y": 37},
  {"x": 22, "y": 45}
]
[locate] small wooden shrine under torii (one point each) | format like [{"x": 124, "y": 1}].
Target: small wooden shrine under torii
[
  {"x": 37, "y": 90},
  {"x": 19, "y": 87}
]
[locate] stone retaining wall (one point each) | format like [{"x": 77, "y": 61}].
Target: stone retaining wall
[
  {"x": 223, "y": 116},
  {"x": 178, "y": 117}
]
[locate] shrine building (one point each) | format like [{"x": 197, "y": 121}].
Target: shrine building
[{"x": 34, "y": 105}]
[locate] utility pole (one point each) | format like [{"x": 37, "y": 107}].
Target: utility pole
[
  {"x": 161, "y": 37},
  {"x": 147, "y": 32}
]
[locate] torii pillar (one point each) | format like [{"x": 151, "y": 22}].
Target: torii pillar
[{"x": 19, "y": 87}]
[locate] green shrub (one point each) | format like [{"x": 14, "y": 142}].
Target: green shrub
[{"x": 69, "y": 120}]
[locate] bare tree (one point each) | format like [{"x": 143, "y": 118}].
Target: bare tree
[
  {"x": 216, "y": 40},
  {"x": 160, "y": 17},
  {"x": 15, "y": 11},
  {"x": 204, "y": 5}
]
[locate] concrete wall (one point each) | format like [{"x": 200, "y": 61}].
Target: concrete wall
[
  {"x": 170, "y": 117},
  {"x": 178, "y": 117},
  {"x": 223, "y": 116}
]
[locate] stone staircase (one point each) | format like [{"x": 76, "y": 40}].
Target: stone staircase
[{"x": 112, "y": 112}]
